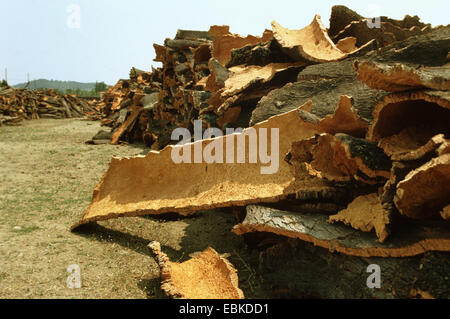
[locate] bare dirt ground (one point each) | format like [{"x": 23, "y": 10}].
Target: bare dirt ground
[{"x": 47, "y": 175}]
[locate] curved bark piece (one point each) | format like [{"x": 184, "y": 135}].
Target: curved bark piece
[
  {"x": 207, "y": 276},
  {"x": 296, "y": 269},
  {"x": 365, "y": 213},
  {"x": 408, "y": 145},
  {"x": 247, "y": 84},
  {"x": 258, "y": 54},
  {"x": 428, "y": 111},
  {"x": 244, "y": 76},
  {"x": 342, "y": 158},
  {"x": 386, "y": 34},
  {"x": 344, "y": 120},
  {"x": 428, "y": 49},
  {"x": 340, "y": 17},
  {"x": 410, "y": 240},
  {"x": 224, "y": 42},
  {"x": 347, "y": 45},
  {"x": 400, "y": 77},
  {"x": 323, "y": 84},
  {"x": 145, "y": 184},
  {"x": 311, "y": 43},
  {"x": 425, "y": 191}
]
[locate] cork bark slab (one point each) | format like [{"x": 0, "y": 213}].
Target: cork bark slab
[
  {"x": 311, "y": 43},
  {"x": 408, "y": 145},
  {"x": 411, "y": 239},
  {"x": 224, "y": 41},
  {"x": 206, "y": 276},
  {"x": 341, "y": 17},
  {"x": 154, "y": 184},
  {"x": 427, "y": 110},
  {"x": 345, "y": 22},
  {"x": 365, "y": 213},
  {"x": 386, "y": 34},
  {"x": 347, "y": 45},
  {"x": 345, "y": 119},
  {"x": 342, "y": 158},
  {"x": 243, "y": 76},
  {"x": 400, "y": 77},
  {"x": 323, "y": 84},
  {"x": 426, "y": 190},
  {"x": 249, "y": 83}
]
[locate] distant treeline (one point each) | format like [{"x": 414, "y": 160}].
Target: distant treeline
[{"x": 67, "y": 87}]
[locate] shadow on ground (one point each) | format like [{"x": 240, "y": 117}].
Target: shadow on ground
[{"x": 204, "y": 229}]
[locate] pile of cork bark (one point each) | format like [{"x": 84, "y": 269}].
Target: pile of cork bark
[
  {"x": 17, "y": 105},
  {"x": 358, "y": 121}
]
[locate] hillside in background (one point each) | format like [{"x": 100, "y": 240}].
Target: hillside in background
[{"x": 58, "y": 85}]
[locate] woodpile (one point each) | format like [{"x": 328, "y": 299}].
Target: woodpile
[
  {"x": 356, "y": 117},
  {"x": 219, "y": 77},
  {"x": 23, "y": 104}
]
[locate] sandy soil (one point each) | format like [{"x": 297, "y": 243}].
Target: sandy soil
[{"x": 47, "y": 175}]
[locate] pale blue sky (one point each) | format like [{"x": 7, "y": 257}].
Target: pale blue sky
[{"x": 116, "y": 35}]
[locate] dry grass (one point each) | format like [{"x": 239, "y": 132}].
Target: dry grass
[{"x": 47, "y": 175}]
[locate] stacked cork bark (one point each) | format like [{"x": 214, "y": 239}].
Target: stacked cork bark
[{"x": 363, "y": 115}]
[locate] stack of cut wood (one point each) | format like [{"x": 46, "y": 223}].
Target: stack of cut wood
[
  {"x": 219, "y": 77},
  {"x": 129, "y": 100},
  {"x": 19, "y": 104},
  {"x": 362, "y": 144}
]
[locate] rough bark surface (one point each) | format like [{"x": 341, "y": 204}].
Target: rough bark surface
[
  {"x": 323, "y": 84},
  {"x": 399, "y": 77},
  {"x": 428, "y": 112},
  {"x": 409, "y": 239},
  {"x": 341, "y": 158}
]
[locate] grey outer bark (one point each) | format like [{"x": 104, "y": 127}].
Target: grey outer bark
[{"x": 325, "y": 83}]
